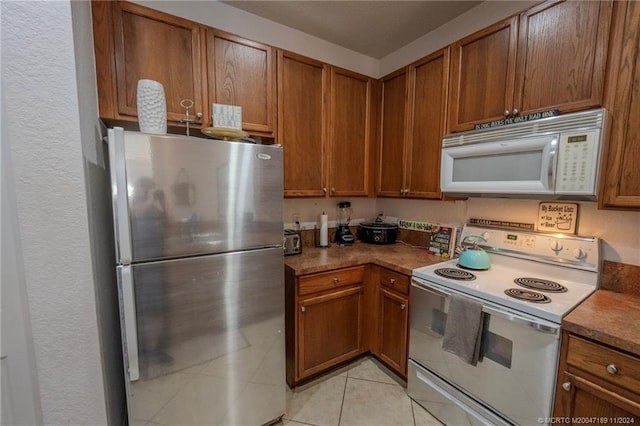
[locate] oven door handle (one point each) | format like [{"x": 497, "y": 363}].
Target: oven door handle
[
  {"x": 429, "y": 288},
  {"x": 526, "y": 321}
]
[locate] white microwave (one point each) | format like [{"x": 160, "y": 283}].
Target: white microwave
[{"x": 556, "y": 157}]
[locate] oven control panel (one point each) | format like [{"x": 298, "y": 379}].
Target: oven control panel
[{"x": 580, "y": 252}]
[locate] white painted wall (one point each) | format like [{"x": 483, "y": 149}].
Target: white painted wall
[
  {"x": 53, "y": 251},
  {"x": 310, "y": 209},
  {"x": 20, "y": 396}
]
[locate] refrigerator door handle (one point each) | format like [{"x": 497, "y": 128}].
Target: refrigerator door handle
[
  {"x": 120, "y": 195},
  {"x": 130, "y": 326}
]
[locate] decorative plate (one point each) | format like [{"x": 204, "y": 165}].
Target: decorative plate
[{"x": 224, "y": 133}]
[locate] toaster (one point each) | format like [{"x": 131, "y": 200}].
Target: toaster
[{"x": 292, "y": 242}]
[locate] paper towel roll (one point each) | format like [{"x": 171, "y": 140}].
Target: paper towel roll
[{"x": 324, "y": 230}]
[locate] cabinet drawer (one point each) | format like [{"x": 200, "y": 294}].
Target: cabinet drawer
[
  {"x": 605, "y": 363},
  {"x": 328, "y": 280},
  {"x": 394, "y": 280}
]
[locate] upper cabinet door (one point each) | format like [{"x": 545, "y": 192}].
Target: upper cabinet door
[
  {"x": 429, "y": 100},
  {"x": 350, "y": 133},
  {"x": 156, "y": 46},
  {"x": 620, "y": 171},
  {"x": 482, "y": 75},
  {"x": 242, "y": 72},
  {"x": 562, "y": 53},
  {"x": 394, "y": 123},
  {"x": 302, "y": 124}
]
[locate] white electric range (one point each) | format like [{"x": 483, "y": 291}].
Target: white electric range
[{"x": 534, "y": 280}]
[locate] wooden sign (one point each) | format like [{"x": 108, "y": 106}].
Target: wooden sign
[
  {"x": 558, "y": 217},
  {"x": 508, "y": 224},
  {"x": 517, "y": 119}
]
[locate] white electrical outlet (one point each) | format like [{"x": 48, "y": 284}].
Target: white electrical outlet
[{"x": 296, "y": 217}]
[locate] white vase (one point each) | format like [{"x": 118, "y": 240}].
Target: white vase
[{"x": 152, "y": 107}]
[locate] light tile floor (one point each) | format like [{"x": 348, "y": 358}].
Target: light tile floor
[{"x": 361, "y": 393}]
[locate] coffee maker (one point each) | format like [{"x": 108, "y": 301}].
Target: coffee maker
[{"x": 343, "y": 233}]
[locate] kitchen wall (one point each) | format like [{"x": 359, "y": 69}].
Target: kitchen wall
[
  {"x": 619, "y": 230},
  {"x": 49, "y": 119},
  {"x": 309, "y": 210}
]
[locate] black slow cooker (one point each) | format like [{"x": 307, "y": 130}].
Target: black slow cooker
[{"x": 377, "y": 232}]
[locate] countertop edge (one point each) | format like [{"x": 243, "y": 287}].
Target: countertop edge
[
  {"x": 402, "y": 259},
  {"x": 604, "y": 317}
]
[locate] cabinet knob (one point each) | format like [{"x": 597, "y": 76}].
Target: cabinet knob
[
  {"x": 303, "y": 309},
  {"x": 612, "y": 369},
  {"x": 402, "y": 306},
  {"x": 506, "y": 112},
  {"x": 335, "y": 280},
  {"x": 566, "y": 386},
  {"x": 515, "y": 111},
  {"x": 333, "y": 190},
  {"x": 324, "y": 190},
  {"x": 392, "y": 281}
]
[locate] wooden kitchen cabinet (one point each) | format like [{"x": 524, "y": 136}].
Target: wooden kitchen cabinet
[
  {"x": 133, "y": 42},
  {"x": 620, "y": 173},
  {"x": 597, "y": 382},
  {"x": 191, "y": 61},
  {"x": 394, "y": 122},
  {"x": 552, "y": 56},
  {"x": 243, "y": 72},
  {"x": 324, "y": 321},
  {"x": 351, "y": 131},
  {"x": 393, "y": 320},
  {"x": 302, "y": 123},
  {"x": 325, "y": 126},
  {"x": 412, "y": 126}
]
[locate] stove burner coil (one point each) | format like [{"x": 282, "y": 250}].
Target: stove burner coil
[
  {"x": 455, "y": 274},
  {"x": 527, "y": 295},
  {"x": 540, "y": 285}
]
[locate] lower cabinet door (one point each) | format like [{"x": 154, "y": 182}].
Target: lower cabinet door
[
  {"x": 580, "y": 398},
  {"x": 393, "y": 317},
  {"x": 329, "y": 330}
]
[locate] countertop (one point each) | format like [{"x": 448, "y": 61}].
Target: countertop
[
  {"x": 608, "y": 317},
  {"x": 611, "y": 315},
  {"x": 398, "y": 257}
]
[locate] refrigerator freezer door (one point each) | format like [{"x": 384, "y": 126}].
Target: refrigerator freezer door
[
  {"x": 187, "y": 196},
  {"x": 210, "y": 338}
]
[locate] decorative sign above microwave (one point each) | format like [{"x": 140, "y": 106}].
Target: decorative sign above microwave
[
  {"x": 558, "y": 217},
  {"x": 517, "y": 119},
  {"x": 504, "y": 224}
]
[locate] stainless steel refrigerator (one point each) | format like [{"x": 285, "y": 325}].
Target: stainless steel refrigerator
[{"x": 200, "y": 268}]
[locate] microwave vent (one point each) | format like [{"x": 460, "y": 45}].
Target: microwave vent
[{"x": 561, "y": 123}]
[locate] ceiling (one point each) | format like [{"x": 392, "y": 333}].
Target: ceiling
[{"x": 373, "y": 28}]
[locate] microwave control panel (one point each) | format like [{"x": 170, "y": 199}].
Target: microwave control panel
[{"x": 577, "y": 156}]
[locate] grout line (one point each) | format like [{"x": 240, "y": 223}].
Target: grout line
[
  {"x": 413, "y": 412},
  {"x": 377, "y": 381},
  {"x": 344, "y": 392}
]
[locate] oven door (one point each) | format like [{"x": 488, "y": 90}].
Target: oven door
[{"x": 516, "y": 373}]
